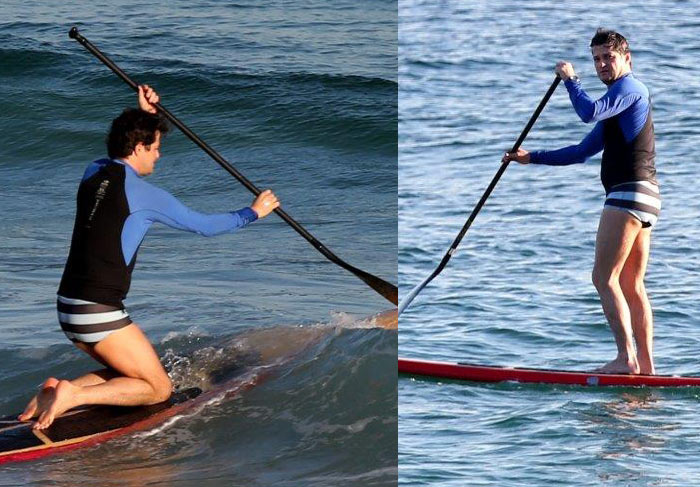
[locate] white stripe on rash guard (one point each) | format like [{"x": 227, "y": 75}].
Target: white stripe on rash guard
[{"x": 73, "y": 301}]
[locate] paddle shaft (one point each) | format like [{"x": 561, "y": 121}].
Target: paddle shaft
[
  {"x": 414, "y": 292},
  {"x": 386, "y": 289}
]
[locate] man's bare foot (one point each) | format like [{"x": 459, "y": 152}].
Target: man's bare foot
[
  {"x": 62, "y": 398},
  {"x": 646, "y": 367},
  {"x": 41, "y": 398},
  {"x": 619, "y": 366}
]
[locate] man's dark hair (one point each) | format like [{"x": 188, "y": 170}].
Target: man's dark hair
[
  {"x": 612, "y": 39},
  {"x": 130, "y": 128}
]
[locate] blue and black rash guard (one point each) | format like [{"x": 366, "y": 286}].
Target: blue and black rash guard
[
  {"x": 115, "y": 209},
  {"x": 624, "y": 132}
]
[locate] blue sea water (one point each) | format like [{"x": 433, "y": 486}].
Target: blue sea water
[
  {"x": 300, "y": 98},
  {"x": 518, "y": 290}
]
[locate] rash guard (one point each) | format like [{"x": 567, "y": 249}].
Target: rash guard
[
  {"x": 624, "y": 131},
  {"x": 115, "y": 209}
]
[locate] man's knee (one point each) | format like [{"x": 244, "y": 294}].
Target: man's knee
[
  {"x": 601, "y": 280},
  {"x": 606, "y": 279},
  {"x": 162, "y": 389},
  {"x": 633, "y": 287}
]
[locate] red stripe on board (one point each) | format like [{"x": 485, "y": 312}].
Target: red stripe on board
[{"x": 484, "y": 373}]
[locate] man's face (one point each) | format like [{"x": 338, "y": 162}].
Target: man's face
[
  {"x": 610, "y": 65},
  {"x": 148, "y": 155}
]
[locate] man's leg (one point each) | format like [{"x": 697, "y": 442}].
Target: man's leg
[
  {"x": 632, "y": 283},
  {"x": 617, "y": 233},
  {"x": 45, "y": 392},
  {"x": 140, "y": 378}
]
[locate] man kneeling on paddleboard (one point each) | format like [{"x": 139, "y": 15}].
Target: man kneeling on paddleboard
[
  {"x": 625, "y": 133},
  {"x": 115, "y": 209}
]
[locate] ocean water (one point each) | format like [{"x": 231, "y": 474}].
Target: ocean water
[
  {"x": 518, "y": 290},
  {"x": 300, "y": 98}
]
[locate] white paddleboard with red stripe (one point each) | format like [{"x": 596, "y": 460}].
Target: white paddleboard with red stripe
[{"x": 486, "y": 373}]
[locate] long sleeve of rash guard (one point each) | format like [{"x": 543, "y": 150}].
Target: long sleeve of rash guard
[
  {"x": 149, "y": 204},
  {"x": 573, "y": 154},
  {"x": 615, "y": 101}
]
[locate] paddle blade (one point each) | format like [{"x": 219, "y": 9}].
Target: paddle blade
[
  {"x": 414, "y": 292},
  {"x": 386, "y": 289}
]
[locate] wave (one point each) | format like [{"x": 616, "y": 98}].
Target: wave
[
  {"x": 352, "y": 114},
  {"x": 323, "y": 392}
]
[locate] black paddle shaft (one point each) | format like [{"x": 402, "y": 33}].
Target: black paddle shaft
[
  {"x": 386, "y": 289},
  {"x": 407, "y": 300},
  {"x": 500, "y": 172}
]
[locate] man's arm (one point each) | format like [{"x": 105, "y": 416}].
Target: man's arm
[
  {"x": 573, "y": 154},
  {"x": 150, "y": 204},
  {"x": 158, "y": 205},
  {"x": 166, "y": 209},
  {"x": 614, "y": 102}
]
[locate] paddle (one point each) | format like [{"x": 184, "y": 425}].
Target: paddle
[
  {"x": 386, "y": 289},
  {"x": 414, "y": 292}
]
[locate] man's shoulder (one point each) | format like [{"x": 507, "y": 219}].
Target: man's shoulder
[
  {"x": 630, "y": 85},
  {"x": 105, "y": 163},
  {"x": 138, "y": 183},
  {"x": 144, "y": 195},
  {"x": 95, "y": 166}
]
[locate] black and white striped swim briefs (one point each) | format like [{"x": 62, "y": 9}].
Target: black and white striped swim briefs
[
  {"x": 88, "y": 322},
  {"x": 641, "y": 199}
]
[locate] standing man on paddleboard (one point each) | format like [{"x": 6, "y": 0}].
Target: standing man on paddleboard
[
  {"x": 115, "y": 209},
  {"x": 625, "y": 133}
]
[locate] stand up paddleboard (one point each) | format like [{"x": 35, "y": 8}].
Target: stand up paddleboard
[
  {"x": 484, "y": 373},
  {"x": 92, "y": 425},
  {"x": 88, "y": 426}
]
